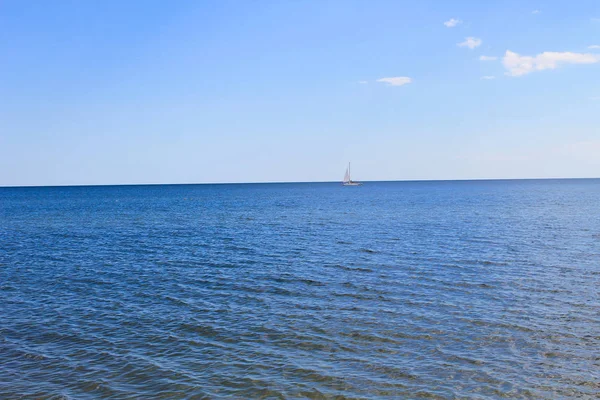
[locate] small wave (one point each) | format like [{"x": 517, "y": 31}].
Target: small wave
[
  {"x": 347, "y": 268},
  {"x": 176, "y": 300},
  {"x": 368, "y": 251},
  {"x": 357, "y": 296},
  {"x": 369, "y": 337},
  {"x": 472, "y": 285}
]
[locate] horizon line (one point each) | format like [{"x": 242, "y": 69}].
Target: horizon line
[{"x": 294, "y": 182}]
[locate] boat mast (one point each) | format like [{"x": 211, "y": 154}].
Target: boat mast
[{"x": 349, "y": 176}]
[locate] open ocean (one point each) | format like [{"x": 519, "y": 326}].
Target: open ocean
[{"x": 464, "y": 289}]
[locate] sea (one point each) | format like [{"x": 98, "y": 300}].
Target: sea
[{"x": 390, "y": 290}]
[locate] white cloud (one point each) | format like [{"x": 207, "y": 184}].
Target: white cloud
[
  {"x": 517, "y": 65},
  {"x": 536, "y": 12},
  {"x": 487, "y": 58},
  {"x": 396, "y": 80},
  {"x": 363, "y": 82},
  {"x": 488, "y": 77},
  {"x": 594, "y": 47},
  {"x": 470, "y": 42},
  {"x": 452, "y": 22}
]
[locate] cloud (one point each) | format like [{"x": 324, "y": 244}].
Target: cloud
[
  {"x": 470, "y": 42},
  {"x": 487, "y": 58},
  {"x": 594, "y": 47},
  {"x": 595, "y": 19},
  {"x": 363, "y": 82},
  {"x": 452, "y": 22},
  {"x": 488, "y": 78},
  {"x": 517, "y": 65},
  {"x": 536, "y": 12},
  {"x": 396, "y": 80},
  {"x": 595, "y": 98}
]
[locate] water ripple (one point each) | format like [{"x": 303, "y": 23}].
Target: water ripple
[{"x": 395, "y": 290}]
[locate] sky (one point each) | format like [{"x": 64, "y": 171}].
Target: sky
[{"x": 152, "y": 91}]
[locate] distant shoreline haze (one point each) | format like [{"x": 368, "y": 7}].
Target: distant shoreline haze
[{"x": 305, "y": 182}]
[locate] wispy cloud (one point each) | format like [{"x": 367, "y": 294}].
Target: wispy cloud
[
  {"x": 487, "y": 58},
  {"x": 488, "y": 77},
  {"x": 594, "y": 47},
  {"x": 595, "y": 98},
  {"x": 470, "y": 42},
  {"x": 452, "y": 22},
  {"x": 396, "y": 80},
  {"x": 518, "y": 65},
  {"x": 536, "y": 12},
  {"x": 363, "y": 82}
]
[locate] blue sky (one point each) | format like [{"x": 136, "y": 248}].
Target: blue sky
[{"x": 112, "y": 92}]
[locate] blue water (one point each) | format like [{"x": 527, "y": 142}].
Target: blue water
[{"x": 481, "y": 289}]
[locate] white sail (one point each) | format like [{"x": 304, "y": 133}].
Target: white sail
[
  {"x": 348, "y": 180},
  {"x": 347, "y": 176}
]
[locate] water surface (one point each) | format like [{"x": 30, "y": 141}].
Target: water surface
[{"x": 481, "y": 289}]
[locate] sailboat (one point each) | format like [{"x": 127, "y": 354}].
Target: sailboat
[{"x": 347, "y": 180}]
